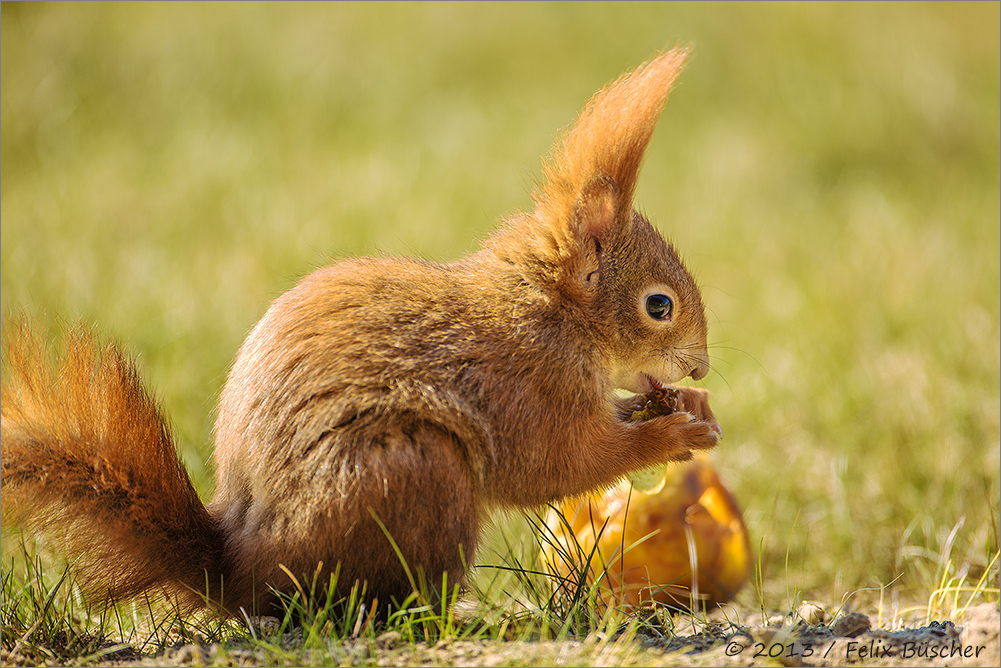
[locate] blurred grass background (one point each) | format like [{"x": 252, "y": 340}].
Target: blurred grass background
[{"x": 829, "y": 171}]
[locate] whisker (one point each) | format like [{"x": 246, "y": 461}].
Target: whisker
[{"x": 754, "y": 359}]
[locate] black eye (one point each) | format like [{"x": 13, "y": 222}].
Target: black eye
[{"x": 659, "y": 307}]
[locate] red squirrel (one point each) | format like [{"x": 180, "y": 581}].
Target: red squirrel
[{"x": 384, "y": 398}]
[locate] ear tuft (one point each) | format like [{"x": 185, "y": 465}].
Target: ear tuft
[
  {"x": 608, "y": 140},
  {"x": 585, "y": 200}
]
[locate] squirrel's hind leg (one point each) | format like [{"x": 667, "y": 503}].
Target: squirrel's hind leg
[
  {"x": 415, "y": 490},
  {"x": 400, "y": 510}
]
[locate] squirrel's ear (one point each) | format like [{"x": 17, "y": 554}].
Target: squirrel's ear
[
  {"x": 596, "y": 209},
  {"x": 594, "y": 215},
  {"x": 607, "y": 143}
]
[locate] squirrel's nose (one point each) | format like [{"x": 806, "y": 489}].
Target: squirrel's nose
[{"x": 700, "y": 371}]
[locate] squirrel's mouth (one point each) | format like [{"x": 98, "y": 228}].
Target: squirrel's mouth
[
  {"x": 654, "y": 383},
  {"x": 639, "y": 382}
]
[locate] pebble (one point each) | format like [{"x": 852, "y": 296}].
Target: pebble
[
  {"x": 812, "y": 613},
  {"x": 851, "y": 625},
  {"x": 190, "y": 654},
  {"x": 388, "y": 640}
]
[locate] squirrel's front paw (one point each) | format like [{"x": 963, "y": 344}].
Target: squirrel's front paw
[
  {"x": 677, "y": 434},
  {"x": 673, "y": 421},
  {"x": 695, "y": 400},
  {"x": 698, "y": 434}
]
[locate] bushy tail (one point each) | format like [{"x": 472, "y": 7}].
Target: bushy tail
[{"x": 88, "y": 458}]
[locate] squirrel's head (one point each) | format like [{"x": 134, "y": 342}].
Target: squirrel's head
[
  {"x": 586, "y": 246},
  {"x": 643, "y": 304}
]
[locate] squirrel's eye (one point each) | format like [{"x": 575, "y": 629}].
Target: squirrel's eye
[{"x": 659, "y": 307}]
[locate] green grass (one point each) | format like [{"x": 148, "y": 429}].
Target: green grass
[{"x": 830, "y": 173}]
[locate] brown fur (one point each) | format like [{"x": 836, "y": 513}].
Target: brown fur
[
  {"x": 87, "y": 453},
  {"x": 388, "y": 395}
]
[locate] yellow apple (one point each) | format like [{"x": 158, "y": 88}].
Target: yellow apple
[{"x": 683, "y": 544}]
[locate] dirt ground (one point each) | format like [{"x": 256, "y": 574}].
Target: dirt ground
[
  {"x": 813, "y": 640},
  {"x": 806, "y": 638}
]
